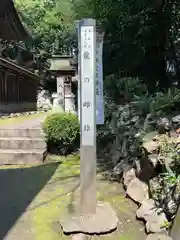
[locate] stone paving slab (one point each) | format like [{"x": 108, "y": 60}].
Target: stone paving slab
[{"x": 103, "y": 221}]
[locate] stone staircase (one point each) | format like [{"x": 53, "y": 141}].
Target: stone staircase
[{"x": 22, "y": 146}]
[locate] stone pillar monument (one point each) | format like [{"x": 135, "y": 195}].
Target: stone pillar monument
[{"x": 90, "y": 217}]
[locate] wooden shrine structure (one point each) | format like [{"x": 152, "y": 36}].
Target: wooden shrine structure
[
  {"x": 18, "y": 86},
  {"x": 11, "y": 27}
]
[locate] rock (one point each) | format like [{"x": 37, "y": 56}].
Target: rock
[
  {"x": 147, "y": 209},
  {"x": 120, "y": 166},
  {"x": 155, "y": 187},
  {"x": 150, "y": 122},
  {"x": 153, "y": 159},
  {"x": 150, "y": 136},
  {"x": 11, "y": 115},
  {"x": 156, "y": 236},
  {"x": 125, "y": 124},
  {"x": 157, "y": 222},
  {"x": 116, "y": 156},
  {"x": 118, "y": 170},
  {"x": 163, "y": 125},
  {"x": 44, "y": 100},
  {"x": 167, "y": 160},
  {"x": 137, "y": 190},
  {"x": 128, "y": 175},
  {"x": 152, "y": 146},
  {"x": 134, "y": 119},
  {"x": 148, "y": 169},
  {"x": 137, "y": 167},
  {"x": 176, "y": 121}
]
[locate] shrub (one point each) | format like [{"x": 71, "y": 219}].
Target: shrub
[
  {"x": 123, "y": 90},
  {"x": 62, "y": 132},
  {"x": 142, "y": 104},
  {"x": 166, "y": 102},
  {"x": 109, "y": 108}
]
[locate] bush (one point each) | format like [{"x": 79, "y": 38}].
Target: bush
[
  {"x": 123, "y": 90},
  {"x": 62, "y": 132},
  {"x": 142, "y": 104},
  {"x": 166, "y": 102}
]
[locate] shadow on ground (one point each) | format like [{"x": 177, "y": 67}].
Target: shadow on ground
[{"x": 18, "y": 187}]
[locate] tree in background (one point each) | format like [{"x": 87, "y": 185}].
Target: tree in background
[
  {"x": 140, "y": 37},
  {"x": 51, "y": 25}
]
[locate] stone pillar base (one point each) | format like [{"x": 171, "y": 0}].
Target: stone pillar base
[
  {"x": 57, "y": 107},
  {"x": 102, "y": 222},
  {"x": 70, "y": 103}
]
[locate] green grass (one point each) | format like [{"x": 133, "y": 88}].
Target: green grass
[{"x": 20, "y": 119}]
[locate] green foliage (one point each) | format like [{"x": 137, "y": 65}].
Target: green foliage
[
  {"x": 172, "y": 174},
  {"x": 139, "y": 37},
  {"x": 109, "y": 108},
  {"x": 49, "y": 22},
  {"x": 166, "y": 102},
  {"x": 171, "y": 178},
  {"x": 123, "y": 90},
  {"x": 165, "y": 146},
  {"x": 142, "y": 104},
  {"x": 62, "y": 132},
  {"x": 161, "y": 103},
  {"x": 51, "y": 26}
]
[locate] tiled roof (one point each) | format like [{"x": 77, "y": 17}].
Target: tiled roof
[{"x": 11, "y": 27}]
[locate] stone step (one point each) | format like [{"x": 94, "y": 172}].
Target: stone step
[
  {"x": 22, "y": 132},
  {"x": 22, "y": 143},
  {"x": 21, "y": 157}
]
